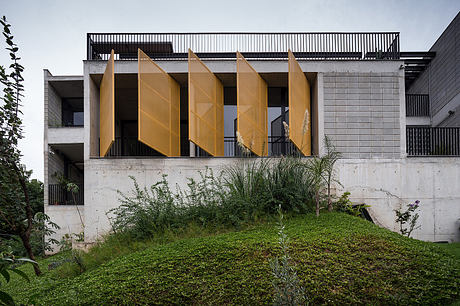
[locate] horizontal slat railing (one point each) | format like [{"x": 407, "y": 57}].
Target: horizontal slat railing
[
  {"x": 417, "y": 105},
  {"x": 433, "y": 141},
  {"x": 313, "y": 46},
  {"x": 59, "y": 195}
]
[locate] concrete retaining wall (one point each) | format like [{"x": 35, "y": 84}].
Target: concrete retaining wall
[
  {"x": 68, "y": 219},
  {"x": 385, "y": 184}
]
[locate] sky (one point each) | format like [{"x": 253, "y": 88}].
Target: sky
[{"x": 52, "y": 34}]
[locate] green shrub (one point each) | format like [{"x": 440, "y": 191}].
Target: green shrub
[{"x": 242, "y": 193}]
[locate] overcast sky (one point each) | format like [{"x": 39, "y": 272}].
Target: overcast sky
[{"x": 51, "y": 34}]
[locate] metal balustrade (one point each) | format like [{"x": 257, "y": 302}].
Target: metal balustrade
[
  {"x": 277, "y": 146},
  {"x": 59, "y": 195},
  {"x": 433, "y": 141},
  {"x": 311, "y": 46}
]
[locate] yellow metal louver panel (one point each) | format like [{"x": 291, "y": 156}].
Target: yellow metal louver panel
[
  {"x": 299, "y": 107},
  {"x": 107, "y": 108},
  {"x": 206, "y": 107},
  {"x": 159, "y": 107},
  {"x": 252, "y": 107}
]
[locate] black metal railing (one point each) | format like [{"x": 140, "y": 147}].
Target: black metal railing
[
  {"x": 130, "y": 146},
  {"x": 312, "y": 46},
  {"x": 433, "y": 141},
  {"x": 417, "y": 105},
  {"x": 59, "y": 195},
  {"x": 277, "y": 146}
]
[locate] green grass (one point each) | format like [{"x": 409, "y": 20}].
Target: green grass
[
  {"x": 340, "y": 259},
  {"x": 453, "y": 248}
]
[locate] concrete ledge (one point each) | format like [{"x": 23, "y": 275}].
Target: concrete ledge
[
  {"x": 66, "y": 135},
  {"x": 261, "y": 66},
  {"x": 418, "y": 121}
]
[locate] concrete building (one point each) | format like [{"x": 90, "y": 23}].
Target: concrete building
[
  {"x": 439, "y": 83},
  {"x": 354, "y": 90}
]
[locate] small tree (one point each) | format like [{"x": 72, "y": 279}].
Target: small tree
[
  {"x": 316, "y": 167},
  {"x": 16, "y": 211},
  {"x": 330, "y": 158}
]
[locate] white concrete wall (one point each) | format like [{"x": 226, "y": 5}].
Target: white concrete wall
[
  {"x": 383, "y": 184},
  {"x": 68, "y": 219},
  {"x": 388, "y": 184}
]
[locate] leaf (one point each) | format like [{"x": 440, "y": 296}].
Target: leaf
[
  {"x": 21, "y": 273},
  {"x": 5, "y": 274},
  {"x": 6, "y": 298},
  {"x": 27, "y": 260}
]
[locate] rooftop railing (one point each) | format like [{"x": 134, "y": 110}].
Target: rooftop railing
[{"x": 260, "y": 46}]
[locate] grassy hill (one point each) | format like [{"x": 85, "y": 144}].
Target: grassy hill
[{"x": 339, "y": 259}]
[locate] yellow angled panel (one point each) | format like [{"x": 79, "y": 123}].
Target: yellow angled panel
[
  {"x": 206, "y": 107},
  {"x": 299, "y": 107},
  {"x": 251, "y": 108},
  {"x": 158, "y": 103},
  {"x": 107, "y": 108}
]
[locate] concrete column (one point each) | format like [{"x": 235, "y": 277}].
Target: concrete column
[
  {"x": 402, "y": 113},
  {"x": 320, "y": 110},
  {"x": 192, "y": 149}
]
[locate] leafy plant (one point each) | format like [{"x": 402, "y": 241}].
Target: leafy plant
[
  {"x": 345, "y": 205},
  {"x": 7, "y": 265},
  {"x": 409, "y": 217}
]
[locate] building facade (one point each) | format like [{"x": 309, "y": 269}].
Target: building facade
[{"x": 153, "y": 104}]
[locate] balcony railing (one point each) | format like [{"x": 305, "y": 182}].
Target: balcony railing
[
  {"x": 433, "y": 141},
  {"x": 417, "y": 105},
  {"x": 311, "y": 46},
  {"x": 277, "y": 146},
  {"x": 130, "y": 146},
  {"x": 58, "y": 195}
]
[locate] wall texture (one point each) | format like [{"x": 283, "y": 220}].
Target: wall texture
[
  {"x": 362, "y": 113},
  {"x": 384, "y": 184}
]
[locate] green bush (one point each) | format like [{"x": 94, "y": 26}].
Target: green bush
[{"x": 245, "y": 192}]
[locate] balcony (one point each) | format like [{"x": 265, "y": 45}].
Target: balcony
[
  {"x": 58, "y": 195},
  {"x": 258, "y": 46},
  {"x": 433, "y": 141}
]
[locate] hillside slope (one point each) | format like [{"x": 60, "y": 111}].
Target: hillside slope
[{"x": 340, "y": 259}]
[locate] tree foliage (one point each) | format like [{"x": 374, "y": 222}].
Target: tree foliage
[{"x": 16, "y": 212}]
